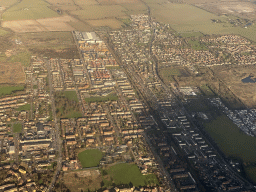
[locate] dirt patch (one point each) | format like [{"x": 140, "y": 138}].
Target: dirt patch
[
  {"x": 12, "y": 73},
  {"x": 83, "y": 180},
  {"x": 68, "y": 53},
  {"x": 39, "y": 25}
]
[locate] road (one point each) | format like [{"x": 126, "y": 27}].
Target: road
[{"x": 58, "y": 142}]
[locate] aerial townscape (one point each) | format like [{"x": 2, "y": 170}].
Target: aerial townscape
[{"x": 127, "y": 95}]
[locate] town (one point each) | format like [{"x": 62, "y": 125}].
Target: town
[{"x": 112, "y": 105}]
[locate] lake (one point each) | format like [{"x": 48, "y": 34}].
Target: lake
[{"x": 249, "y": 79}]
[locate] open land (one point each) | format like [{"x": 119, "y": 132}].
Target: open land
[
  {"x": 129, "y": 173},
  {"x": 86, "y": 179},
  {"x": 29, "y": 9},
  {"x": 112, "y": 23},
  {"x": 50, "y": 44},
  {"x": 40, "y": 25},
  {"x": 188, "y": 18},
  {"x": 233, "y": 75},
  {"x": 8, "y": 69},
  {"x": 7, "y": 90},
  {"x": 90, "y": 158},
  {"x": 17, "y": 128},
  {"x": 25, "y": 107}
]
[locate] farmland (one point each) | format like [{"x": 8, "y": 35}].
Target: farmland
[
  {"x": 99, "y": 12},
  {"x": 7, "y": 90},
  {"x": 112, "y": 23},
  {"x": 90, "y": 158},
  {"x": 185, "y": 18},
  {"x": 132, "y": 175},
  {"x": 29, "y": 9}
]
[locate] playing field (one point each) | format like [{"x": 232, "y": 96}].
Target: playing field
[
  {"x": 29, "y": 9},
  {"x": 90, "y": 157},
  {"x": 17, "y": 128},
  {"x": 7, "y": 90},
  {"x": 71, "y": 95},
  {"x": 129, "y": 173},
  {"x": 25, "y": 107}
]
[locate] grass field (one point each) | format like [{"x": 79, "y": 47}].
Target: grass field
[
  {"x": 17, "y": 128},
  {"x": 110, "y": 97},
  {"x": 191, "y": 34},
  {"x": 206, "y": 90},
  {"x": 90, "y": 157},
  {"x": 71, "y": 95},
  {"x": 25, "y": 107},
  {"x": 3, "y": 32},
  {"x": 22, "y": 57},
  {"x": 112, "y": 23},
  {"x": 74, "y": 114},
  {"x": 167, "y": 73},
  {"x": 129, "y": 173},
  {"x": 10, "y": 89},
  {"x": 234, "y": 143},
  {"x": 99, "y": 12},
  {"x": 185, "y": 18},
  {"x": 231, "y": 140},
  {"x": 196, "y": 45},
  {"x": 29, "y": 9}
]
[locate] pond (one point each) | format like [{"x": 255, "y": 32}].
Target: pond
[{"x": 249, "y": 79}]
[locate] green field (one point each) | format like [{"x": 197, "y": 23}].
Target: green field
[
  {"x": 3, "y": 32},
  {"x": 25, "y": 107},
  {"x": 99, "y": 12},
  {"x": 90, "y": 157},
  {"x": 110, "y": 97},
  {"x": 74, "y": 114},
  {"x": 129, "y": 173},
  {"x": 10, "y": 89},
  {"x": 231, "y": 140},
  {"x": 191, "y": 34},
  {"x": 234, "y": 143},
  {"x": 71, "y": 95},
  {"x": 29, "y": 9},
  {"x": 167, "y": 73},
  {"x": 206, "y": 90},
  {"x": 196, "y": 45},
  {"x": 22, "y": 57},
  {"x": 17, "y": 128},
  {"x": 185, "y": 18}
]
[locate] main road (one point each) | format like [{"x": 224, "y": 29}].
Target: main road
[{"x": 57, "y": 141}]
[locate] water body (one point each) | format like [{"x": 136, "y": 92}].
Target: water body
[{"x": 249, "y": 79}]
